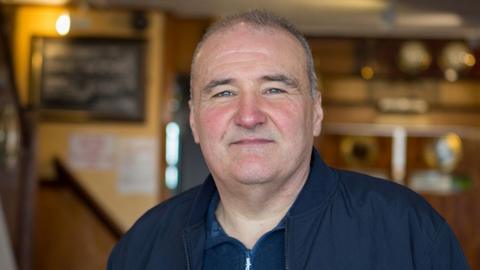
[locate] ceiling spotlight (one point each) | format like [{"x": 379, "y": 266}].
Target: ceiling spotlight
[{"x": 63, "y": 23}]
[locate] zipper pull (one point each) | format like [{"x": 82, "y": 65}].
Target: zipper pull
[{"x": 248, "y": 262}]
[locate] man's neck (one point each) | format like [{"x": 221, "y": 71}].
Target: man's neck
[
  {"x": 245, "y": 229},
  {"x": 255, "y": 211}
]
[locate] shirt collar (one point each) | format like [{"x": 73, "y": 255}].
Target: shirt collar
[{"x": 215, "y": 233}]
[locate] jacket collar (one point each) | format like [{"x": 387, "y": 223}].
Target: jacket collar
[
  {"x": 194, "y": 234},
  {"x": 202, "y": 200},
  {"x": 320, "y": 184}
]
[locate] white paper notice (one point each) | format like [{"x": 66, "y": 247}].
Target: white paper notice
[
  {"x": 89, "y": 151},
  {"x": 137, "y": 166}
]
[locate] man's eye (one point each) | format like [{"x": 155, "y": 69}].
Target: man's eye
[
  {"x": 274, "y": 91},
  {"x": 225, "y": 93}
]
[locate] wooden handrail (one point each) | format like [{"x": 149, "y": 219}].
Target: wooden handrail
[{"x": 65, "y": 176}]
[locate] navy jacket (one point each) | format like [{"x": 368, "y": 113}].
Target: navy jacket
[{"x": 340, "y": 220}]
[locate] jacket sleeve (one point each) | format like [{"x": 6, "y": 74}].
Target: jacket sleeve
[
  {"x": 446, "y": 253},
  {"x": 118, "y": 257},
  {"x": 110, "y": 264},
  {"x": 111, "y": 259}
]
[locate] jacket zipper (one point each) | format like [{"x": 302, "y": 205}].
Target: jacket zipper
[
  {"x": 185, "y": 247},
  {"x": 248, "y": 261}
]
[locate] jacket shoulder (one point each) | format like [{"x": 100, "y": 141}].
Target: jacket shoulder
[
  {"x": 383, "y": 196},
  {"x": 395, "y": 209},
  {"x": 161, "y": 224},
  {"x": 366, "y": 187},
  {"x": 404, "y": 217}
]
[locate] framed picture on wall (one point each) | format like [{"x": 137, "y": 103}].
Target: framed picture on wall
[{"x": 81, "y": 79}]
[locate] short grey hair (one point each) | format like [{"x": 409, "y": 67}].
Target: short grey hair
[{"x": 265, "y": 19}]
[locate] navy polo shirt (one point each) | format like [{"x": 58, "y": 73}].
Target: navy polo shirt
[{"x": 223, "y": 252}]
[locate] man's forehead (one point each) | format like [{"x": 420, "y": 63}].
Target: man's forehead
[
  {"x": 246, "y": 28},
  {"x": 247, "y": 39},
  {"x": 238, "y": 33}
]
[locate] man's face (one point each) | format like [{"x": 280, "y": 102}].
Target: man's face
[{"x": 252, "y": 111}]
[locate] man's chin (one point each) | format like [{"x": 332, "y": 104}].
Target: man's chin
[
  {"x": 251, "y": 156},
  {"x": 252, "y": 172},
  {"x": 251, "y": 162},
  {"x": 253, "y": 180}
]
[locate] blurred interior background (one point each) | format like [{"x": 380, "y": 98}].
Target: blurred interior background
[{"x": 93, "y": 111}]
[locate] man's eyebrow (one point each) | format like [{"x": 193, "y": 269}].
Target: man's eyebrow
[
  {"x": 292, "y": 82},
  {"x": 214, "y": 83}
]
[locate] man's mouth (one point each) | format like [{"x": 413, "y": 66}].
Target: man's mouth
[{"x": 252, "y": 141}]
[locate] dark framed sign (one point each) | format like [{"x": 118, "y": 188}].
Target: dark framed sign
[{"x": 78, "y": 79}]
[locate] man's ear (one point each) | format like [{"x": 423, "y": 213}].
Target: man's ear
[
  {"x": 193, "y": 124},
  {"x": 317, "y": 114}
]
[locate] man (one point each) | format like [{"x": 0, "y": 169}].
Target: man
[{"x": 271, "y": 202}]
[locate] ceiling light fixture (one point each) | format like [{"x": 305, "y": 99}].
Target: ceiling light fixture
[{"x": 63, "y": 24}]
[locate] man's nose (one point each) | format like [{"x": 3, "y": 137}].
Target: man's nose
[{"x": 249, "y": 112}]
